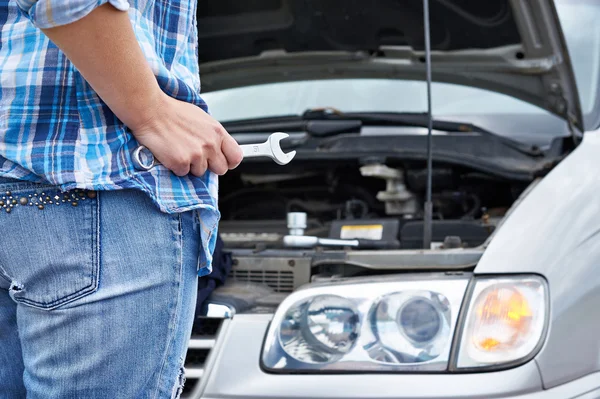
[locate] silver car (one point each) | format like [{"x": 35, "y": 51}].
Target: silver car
[{"x": 333, "y": 289}]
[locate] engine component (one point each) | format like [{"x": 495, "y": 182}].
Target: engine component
[
  {"x": 311, "y": 242},
  {"x": 368, "y": 229},
  {"x": 471, "y": 233},
  {"x": 355, "y": 209},
  {"x": 248, "y": 233},
  {"x": 282, "y": 273},
  {"x": 296, "y": 222},
  {"x": 398, "y": 200},
  {"x": 442, "y": 179}
]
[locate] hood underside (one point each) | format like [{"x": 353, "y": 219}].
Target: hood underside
[{"x": 515, "y": 47}]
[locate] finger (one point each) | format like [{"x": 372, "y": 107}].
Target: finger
[
  {"x": 180, "y": 168},
  {"x": 232, "y": 151},
  {"x": 218, "y": 164},
  {"x": 199, "y": 167}
]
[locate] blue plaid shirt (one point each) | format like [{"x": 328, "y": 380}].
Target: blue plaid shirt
[{"x": 55, "y": 129}]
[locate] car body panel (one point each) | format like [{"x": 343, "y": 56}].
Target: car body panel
[
  {"x": 234, "y": 372},
  {"x": 554, "y": 232},
  {"x": 240, "y": 358},
  {"x": 515, "y": 47}
]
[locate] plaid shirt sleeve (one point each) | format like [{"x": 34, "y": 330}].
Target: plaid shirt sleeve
[{"x": 51, "y": 13}]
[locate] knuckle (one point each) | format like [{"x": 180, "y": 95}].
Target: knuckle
[
  {"x": 180, "y": 167},
  {"x": 209, "y": 146},
  {"x": 197, "y": 158},
  {"x": 220, "y": 130},
  {"x": 180, "y": 171}
]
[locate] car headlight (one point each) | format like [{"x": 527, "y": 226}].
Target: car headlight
[
  {"x": 320, "y": 330},
  {"x": 407, "y": 323},
  {"x": 374, "y": 324},
  {"x": 505, "y": 322}
]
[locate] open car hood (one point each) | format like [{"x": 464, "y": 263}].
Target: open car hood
[{"x": 515, "y": 47}]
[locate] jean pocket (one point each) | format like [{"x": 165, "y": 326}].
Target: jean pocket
[{"x": 49, "y": 238}]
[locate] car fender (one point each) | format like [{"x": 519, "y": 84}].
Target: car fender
[{"x": 555, "y": 232}]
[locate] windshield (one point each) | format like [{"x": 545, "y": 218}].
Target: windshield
[{"x": 485, "y": 108}]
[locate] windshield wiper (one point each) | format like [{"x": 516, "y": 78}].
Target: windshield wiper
[
  {"x": 418, "y": 120},
  {"x": 317, "y": 127},
  {"x": 329, "y": 122}
]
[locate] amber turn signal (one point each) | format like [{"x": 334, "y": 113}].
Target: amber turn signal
[{"x": 505, "y": 321}]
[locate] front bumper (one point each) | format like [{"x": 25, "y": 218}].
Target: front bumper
[{"x": 233, "y": 371}]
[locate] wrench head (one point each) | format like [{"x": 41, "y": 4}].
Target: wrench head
[{"x": 279, "y": 156}]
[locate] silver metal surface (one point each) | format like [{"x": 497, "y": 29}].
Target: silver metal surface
[
  {"x": 387, "y": 259},
  {"x": 194, "y": 373},
  {"x": 201, "y": 343},
  {"x": 211, "y": 360},
  {"x": 510, "y": 210},
  {"x": 311, "y": 241},
  {"x": 554, "y": 232},
  {"x": 143, "y": 159},
  {"x": 439, "y": 259},
  {"x": 219, "y": 311},
  {"x": 396, "y": 197},
  {"x": 233, "y": 371},
  {"x": 296, "y": 222},
  {"x": 236, "y": 373},
  {"x": 270, "y": 148},
  {"x": 543, "y": 76}
]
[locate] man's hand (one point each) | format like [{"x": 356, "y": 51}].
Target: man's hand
[{"x": 184, "y": 138}]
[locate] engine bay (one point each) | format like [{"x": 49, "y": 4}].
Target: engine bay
[
  {"x": 379, "y": 204},
  {"x": 322, "y": 221}
]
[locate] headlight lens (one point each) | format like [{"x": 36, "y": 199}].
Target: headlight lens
[
  {"x": 420, "y": 320},
  {"x": 412, "y": 326},
  {"x": 320, "y": 330},
  {"x": 505, "y": 321},
  {"x": 375, "y": 324}
]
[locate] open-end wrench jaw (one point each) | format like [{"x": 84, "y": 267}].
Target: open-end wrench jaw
[
  {"x": 279, "y": 156},
  {"x": 270, "y": 148}
]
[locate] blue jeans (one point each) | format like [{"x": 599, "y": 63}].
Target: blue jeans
[{"x": 97, "y": 293}]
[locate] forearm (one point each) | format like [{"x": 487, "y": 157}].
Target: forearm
[
  {"x": 104, "y": 49},
  {"x": 101, "y": 43}
]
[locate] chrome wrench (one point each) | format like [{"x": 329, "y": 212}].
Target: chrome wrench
[
  {"x": 144, "y": 160},
  {"x": 270, "y": 148}
]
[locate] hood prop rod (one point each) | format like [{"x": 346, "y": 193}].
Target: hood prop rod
[{"x": 428, "y": 207}]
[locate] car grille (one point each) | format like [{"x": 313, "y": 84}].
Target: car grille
[
  {"x": 278, "y": 280},
  {"x": 204, "y": 335}
]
